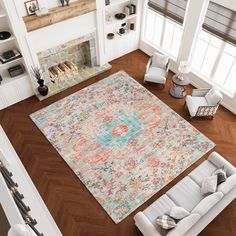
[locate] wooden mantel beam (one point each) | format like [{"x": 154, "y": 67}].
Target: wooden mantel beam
[{"x": 59, "y": 14}]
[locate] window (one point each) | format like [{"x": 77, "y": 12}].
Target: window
[
  {"x": 215, "y": 53},
  {"x": 164, "y": 21}
]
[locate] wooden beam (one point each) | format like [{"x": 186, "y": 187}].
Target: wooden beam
[{"x": 59, "y": 14}]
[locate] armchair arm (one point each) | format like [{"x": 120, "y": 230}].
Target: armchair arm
[
  {"x": 200, "y": 92},
  {"x": 219, "y": 161},
  {"x": 149, "y": 64},
  {"x": 206, "y": 110},
  {"x": 144, "y": 225}
]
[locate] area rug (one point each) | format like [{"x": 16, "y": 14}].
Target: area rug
[{"x": 122, "y": 142}]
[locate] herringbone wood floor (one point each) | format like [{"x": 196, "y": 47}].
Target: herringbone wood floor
[{"x": 74, "y": 209}]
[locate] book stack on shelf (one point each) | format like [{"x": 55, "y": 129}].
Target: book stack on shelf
[{"x": 130, "y": 9}]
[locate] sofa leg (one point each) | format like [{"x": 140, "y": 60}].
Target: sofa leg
[
  {"x": 211, "y": 117},
  {"x": 163, "y": 86}
]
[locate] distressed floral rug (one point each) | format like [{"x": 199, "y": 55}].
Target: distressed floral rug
[{"x": 122, "y": 142}]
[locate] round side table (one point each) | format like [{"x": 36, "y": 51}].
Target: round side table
[{"x": 178, "y": 89}]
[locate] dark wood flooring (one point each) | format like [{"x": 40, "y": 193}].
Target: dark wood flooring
[{"x": 74, "y": 209}]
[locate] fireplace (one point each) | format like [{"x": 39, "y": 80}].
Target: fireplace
[{"x": 70, "y": 63}]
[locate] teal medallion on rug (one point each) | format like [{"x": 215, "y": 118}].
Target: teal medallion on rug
[{"x": 122, "y": 142}]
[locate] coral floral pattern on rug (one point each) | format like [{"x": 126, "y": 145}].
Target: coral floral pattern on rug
[{"x": 121, "y": 141}]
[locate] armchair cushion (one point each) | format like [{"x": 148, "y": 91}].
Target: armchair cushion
[
  {"x": 160, "y": 60},
  {"x": 213, "y": 97},
  {"x": 193, "y": 104},
  {"x": 156, "y": 75}
]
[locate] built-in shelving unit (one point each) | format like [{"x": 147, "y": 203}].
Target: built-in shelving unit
[
  {"x": 10, "y": 87},
  {"x": 121, "y": 43}
]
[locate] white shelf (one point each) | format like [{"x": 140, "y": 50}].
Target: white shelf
[
  {"x": 8, "y": 79},
  {"x": 117, "y": 22},
  {"x": 116, "y": 2},
  {"x": 118, "y": 36},
  {"x": 9, "y": 63},
  {"x": 7, "y": 40}
]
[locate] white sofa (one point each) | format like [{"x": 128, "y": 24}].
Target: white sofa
[{"x": 186, "y": 193}]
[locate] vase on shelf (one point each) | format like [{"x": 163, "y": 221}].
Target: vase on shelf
[{"x": 62, "y": 2}]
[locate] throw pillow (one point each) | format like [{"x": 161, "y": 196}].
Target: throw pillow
[
  {"x": 221, "y": 175},
  {"x": 165, "y": 222},
  {"x": 209, "y": 185},
  {"x": 159, "y": 60},
  {"x": 213, "y": 97},
  {"x": 178, "y": 213}
]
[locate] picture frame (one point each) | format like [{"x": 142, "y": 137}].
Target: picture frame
[{"x": 31, "y": 7}]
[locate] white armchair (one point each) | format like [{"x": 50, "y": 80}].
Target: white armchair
[
  {"x": 203, "y": 102},
  {"x": 157, "y": 69}
]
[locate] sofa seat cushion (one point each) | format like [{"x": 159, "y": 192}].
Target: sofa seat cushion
[
  {"x": 156, "y": 75},
  {"x": 193, "y": 103},
  {"x": 204, "y": 170},
  {"x": 160, "y": 207},
  {"x": 207, "y": 203},
  {"x": 228, "y": 185},
  {"x": 186, "y": 194},
  {"x": 184, "y": 225}
]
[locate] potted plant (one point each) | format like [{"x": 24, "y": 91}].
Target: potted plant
[{"x": 42, "y": 88}]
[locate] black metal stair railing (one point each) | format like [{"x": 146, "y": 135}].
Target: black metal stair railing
[{"x": 18, "y": 198}]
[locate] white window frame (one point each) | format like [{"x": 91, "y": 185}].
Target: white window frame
[{"x": 160, "y": 47}]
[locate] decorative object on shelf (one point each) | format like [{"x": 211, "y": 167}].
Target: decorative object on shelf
[
  {"x": 16, "y": 70},
  {"x": 109, "y": 17},
  {"x": 31, "y": 7},
  {"x": 110, "y": 36},
  {"x": 130, "y": 9},
  {"x": 120, "y": 16},
  {"x": 5, "y": 35},
  {"x": 121, "y": 30},
  {"x": 62, "y": 3},
  {"x": 178, "y": 89},
  {"x": 42, "y": 88},
  {"x": 132, "y": 26},
  {"x": 10, "y": 55},
  {"x": 18, "y": 230},
  {"x": 0, "y": 79},
  {"x": 42, "y": 11},
  {"x": 107, "y": 2},
  {"x": 184, "y": 68},
  {"x": 67, "y": 2}
]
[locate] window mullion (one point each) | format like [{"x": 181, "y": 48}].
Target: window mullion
[
  {"x": 216, "y": 64},
  {"x": 163, "y": 31}
]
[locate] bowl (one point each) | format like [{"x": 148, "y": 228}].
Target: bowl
[
  {"x": 120, "y": 16},
  {"x": 5, "y": 35},
  {"x": 110, "y": 36}
]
